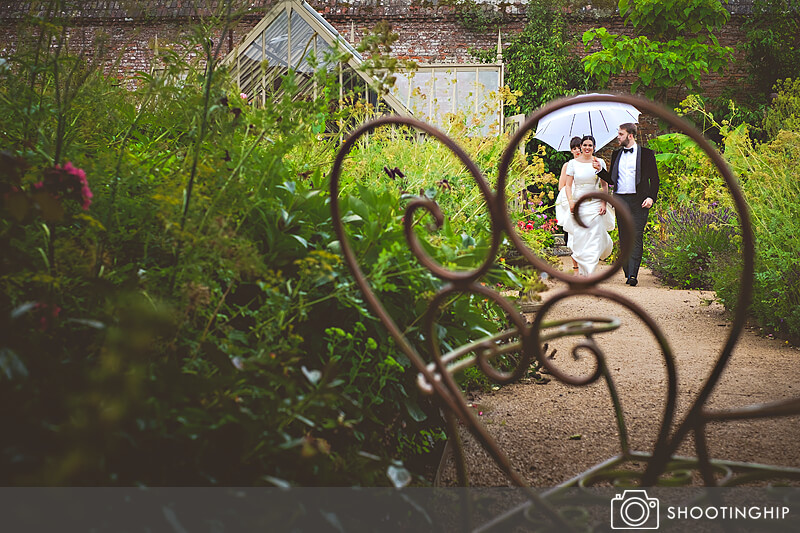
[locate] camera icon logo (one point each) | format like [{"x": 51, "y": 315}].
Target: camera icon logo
[{"x": 634, "y": 509}]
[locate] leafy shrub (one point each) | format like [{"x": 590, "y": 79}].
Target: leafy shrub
[
  {"x": 683, "y": 238},
  {"x": 784, "y": 112},
  {"x": 682, "y": 50},
  {"x": 769, "y": 181},
  {"x": 687, "y": 243},
  {"x": 772, "y": 43},
  {"x": 687, "y": 176},
  {"x": 195, "y": 325}
]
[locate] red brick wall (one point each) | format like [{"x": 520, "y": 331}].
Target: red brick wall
[{"x": 428, "y": 32}]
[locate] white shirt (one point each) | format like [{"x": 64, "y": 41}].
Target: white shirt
[{"x": 626, "y": 172}]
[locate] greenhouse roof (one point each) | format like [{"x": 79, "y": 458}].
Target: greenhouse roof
[{"x": 285, "y": 39}]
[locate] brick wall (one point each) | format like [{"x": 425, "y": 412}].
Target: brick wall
[{"x": 428, "y": 29}]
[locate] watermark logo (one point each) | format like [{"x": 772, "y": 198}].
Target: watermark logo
[{"x": 634, "y": 509}]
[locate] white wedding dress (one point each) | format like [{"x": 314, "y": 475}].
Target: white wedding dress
[{"x": 591, "y": 244}]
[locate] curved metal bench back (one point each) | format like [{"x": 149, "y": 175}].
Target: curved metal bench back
[{"x": 436, "y": 377}]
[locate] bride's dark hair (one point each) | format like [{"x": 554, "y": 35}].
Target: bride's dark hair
[{"x": 590, "y": 138}]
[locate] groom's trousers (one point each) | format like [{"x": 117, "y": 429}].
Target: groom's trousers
[{"x": 640, "y": 214}]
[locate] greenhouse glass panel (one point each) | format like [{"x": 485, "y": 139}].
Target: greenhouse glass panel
[
  {"x": 249, "y": 66},
  {"x": 284, "y": 40},
  {"x": 443, "y": 99},
  {"x": 276, "y": 41},
  {"x": 417, "y": 99},
  {"x": 401, "y": 89},
  {"x": 434, "y": 92},
  {"x": 488, "y": 102},
  {"x": 465, "y": 91},
  {"x": 302, "y": 42}
]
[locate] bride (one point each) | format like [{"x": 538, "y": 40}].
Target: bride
[{"x": 590, "y": 244}]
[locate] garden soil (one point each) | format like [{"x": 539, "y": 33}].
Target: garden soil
[{"x": 553, "y": 431}]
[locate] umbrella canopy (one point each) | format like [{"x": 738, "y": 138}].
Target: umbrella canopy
[{"x": 601, "y": 120}]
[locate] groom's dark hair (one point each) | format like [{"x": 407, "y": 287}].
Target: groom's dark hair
[{"x": 630, "y": 127}]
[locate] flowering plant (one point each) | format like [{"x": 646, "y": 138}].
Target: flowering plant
[
  {"x": 67, "y": 182},
  {"x": 536, "y": 218},
  {"x": 44, "y": 197}
]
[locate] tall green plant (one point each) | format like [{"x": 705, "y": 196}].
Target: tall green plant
[
  {"x": 678, "y": 48},
  {"x": 55, "y": 75},
  {"x": 706, "y": 254},
  {"x": 784, "y": 112},
  {"x": 260, "y": 363},
  {"x": 222, "y": 20}
]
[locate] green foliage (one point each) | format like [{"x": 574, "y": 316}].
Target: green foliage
[
  {"x": 688, "y": 241},
  {"x": 768, "y": 177},
  {"x": 423, "y": 442},
  {"x": 192, "y": 323},
  {"x": 784, "y": 113},
  {"x": 49, "y": 96},
  {"x": 772, "y": 43},
  {"x": 698, "y": 246},
  {"x": 687, "y": 175},
  {"x": 667, "y": 20},
  {"x": 683, "y": 49},
  {"x": 717, "y": 116}
]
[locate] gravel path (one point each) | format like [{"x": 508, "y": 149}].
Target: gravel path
[{"x": 554, "y": 431}]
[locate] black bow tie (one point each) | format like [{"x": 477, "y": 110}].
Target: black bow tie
[{"x": 628, "y": 150}]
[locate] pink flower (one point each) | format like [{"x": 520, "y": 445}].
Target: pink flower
[
  {"x": 49, "y": 312},
  {"x": 75, "y": 171},
  {"x": 69, "y": 181},
  {"x": 87, "y": 197},
  {"x": 243, "y": 96}
]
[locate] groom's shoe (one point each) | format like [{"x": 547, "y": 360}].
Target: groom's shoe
[{"x": 632, "y": 281}]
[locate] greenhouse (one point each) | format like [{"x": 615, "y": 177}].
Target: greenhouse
[
  {"x": 293, "y": 32},
  {"x": 287, "y": 38}
]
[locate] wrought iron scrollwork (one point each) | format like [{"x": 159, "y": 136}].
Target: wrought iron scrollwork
[{"x": 436, "y": 376}]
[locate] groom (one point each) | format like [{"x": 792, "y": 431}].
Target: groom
[{"x": 634, "y": 176}]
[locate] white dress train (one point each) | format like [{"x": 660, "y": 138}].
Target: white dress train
[{"x": 590, "y": 244}]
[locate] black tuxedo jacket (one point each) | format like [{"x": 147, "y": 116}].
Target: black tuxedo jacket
[{"x": 647, "y": 182}]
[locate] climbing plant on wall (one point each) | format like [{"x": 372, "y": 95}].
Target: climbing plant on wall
[
  {"x": 479, "y": 17},
  {"x": 675, "y": 47},
  {"x": 541, "y": 61},
  {"x": 773, "y": 43}
]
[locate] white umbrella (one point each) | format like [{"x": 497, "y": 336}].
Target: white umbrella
[{"x": 601, "y": 120}]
